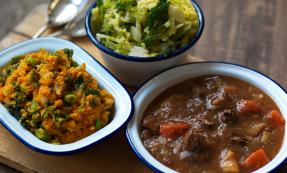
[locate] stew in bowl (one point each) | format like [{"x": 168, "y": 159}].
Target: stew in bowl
[
  {"x": 210, "y": 117},
  {"x": 213, "y": 124}
]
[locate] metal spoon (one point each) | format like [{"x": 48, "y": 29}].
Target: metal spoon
[
  {"x": 75, "y": 28},
  {"x": 61, "y": 12}
]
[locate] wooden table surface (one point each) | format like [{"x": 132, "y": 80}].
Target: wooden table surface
[{"x": 247, "y": 32}]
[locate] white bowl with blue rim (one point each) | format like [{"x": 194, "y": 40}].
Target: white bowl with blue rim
[
  {"x": 156, "y": 85},
  {"x": 123, "y": 102},
  {"x": 133, "y": 70}
]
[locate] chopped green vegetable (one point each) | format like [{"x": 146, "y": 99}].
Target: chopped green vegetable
[
  {"x": 42, "y": 135},
  {"x": 34, "y": 107},
  {"x": 92, "y": 91},
  {"x": 33, "y": 77},
  {"x": 158, "y": 15},
  {"x": 14, "y": 109},
  {"x": 70, "y": 98},
  {"x": 59, "y": 120},
  {"x": 2, "y": 80},
  {"x": 14, "y": 60},
  {"x": 78, "y": 82},
  {"x": 168, "y": 51},
  {"x": 74, "y": 64},
  {"x": 98, "y": 124},
  {"x": 144, "y": 28},
  {"x": 100, "y": 4},
  {"x": 125, "y": 4},
  {"x": 69, "y": 52},
  {"x": 31, "y": 61},
  {"x": 36, "y": 117}
]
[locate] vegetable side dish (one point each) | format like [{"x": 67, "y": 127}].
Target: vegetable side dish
[
  {"x": 213, "y": 124},
  {"x": 53, "y": 97},
  {"x": 144, "y": 28}
]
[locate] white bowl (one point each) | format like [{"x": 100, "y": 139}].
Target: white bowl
[
  {"x": 123, "y": 101},
  {"x": 134, "y": 70},
  {"x": 152, "y": 88}
]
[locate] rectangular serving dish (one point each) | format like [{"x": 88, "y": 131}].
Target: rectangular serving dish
[{"x": 123, "y": 102}]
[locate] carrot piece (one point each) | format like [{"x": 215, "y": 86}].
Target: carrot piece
[
  {"x": 256, "y": 160},
  {"x": 247, "y": 106},
  {"x": 276, "y": 118},
  {"x": 173, "y": 129}
]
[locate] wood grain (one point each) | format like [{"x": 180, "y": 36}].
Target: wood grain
[{"x": 248, "y": 32}]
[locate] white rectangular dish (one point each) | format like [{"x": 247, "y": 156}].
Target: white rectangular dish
[{"x": 123, "y": 102}]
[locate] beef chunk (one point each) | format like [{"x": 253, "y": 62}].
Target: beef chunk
[
  {"x": 151, "y": 123},
  {"x": 173, "y": 106},
  {"x": 217, "y": 100},
  {"x": 239, "y": 140},
  {"x": 227, "y": 116},
  {"x": 207, "y": 123},
  {"x": 145, "y": 134},
  {"x": 196, "y": 139},
  {"x": 196, "y": 104},
  {"x": 197, "y": 145}
]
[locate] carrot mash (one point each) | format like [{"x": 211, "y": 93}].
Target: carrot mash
[{"x": 53, "y": 97}]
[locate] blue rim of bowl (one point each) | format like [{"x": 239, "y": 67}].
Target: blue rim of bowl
[
  {"x": 146, "y": 162},
  {"x": 145, "y": 59},
  {"x": 35, "y": 148}
]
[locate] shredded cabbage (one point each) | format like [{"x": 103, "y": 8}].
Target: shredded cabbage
[{"x": 144, "y": 28}]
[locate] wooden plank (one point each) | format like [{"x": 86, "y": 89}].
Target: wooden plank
[
  {"x": 11, "y": 39},
  {"x": 34, "y": 21},
  {"x": 249, "y": 32},
  {"x": 98, "y": 158}
]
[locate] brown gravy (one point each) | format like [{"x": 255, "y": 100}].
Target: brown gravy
[{"x": 213, "y": 124}]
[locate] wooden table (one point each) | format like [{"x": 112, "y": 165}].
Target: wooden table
[{"x": 248, "y": 32}]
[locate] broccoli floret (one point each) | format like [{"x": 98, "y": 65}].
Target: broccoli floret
[
  {"x": 42, "y": 134},
  {"x": 74, "y": 64},
  {"x": 34, "y": 107},
  {"x": 15, "y": 60},
  {"x": 123, "y": 5},
  {"x": 158, "y": 15},
  {"x": 68, "y": 52},
  {"x": 14, "y": 109},
  {"x": 78, "y": 82},
  {"x": 70, "y": 99}
]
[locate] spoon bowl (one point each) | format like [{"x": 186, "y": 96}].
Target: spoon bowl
[
  {"x": 61, "y": 12},
  {"x": 75, "y": 28}
]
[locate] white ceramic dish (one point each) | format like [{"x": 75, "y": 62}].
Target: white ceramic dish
[
  {"x": 123, "y": 101},
  {"x": 152, "y": 88},
  {"x": 134, "y": 70}
]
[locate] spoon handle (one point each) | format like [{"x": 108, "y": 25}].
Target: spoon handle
[
  {"x": 41, "y": 31},
  {"x": 56, "y": 34}
]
